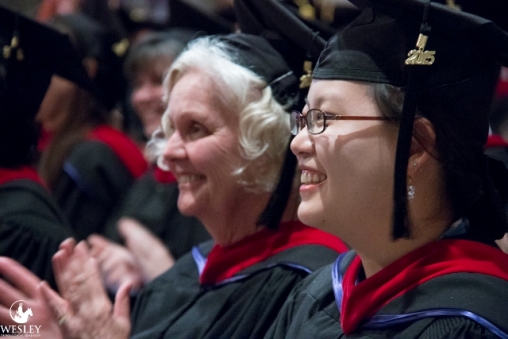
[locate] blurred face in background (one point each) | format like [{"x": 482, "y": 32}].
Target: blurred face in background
[
  {"x": 147, "y": 92},
  {"x": 57, "y": 104}
]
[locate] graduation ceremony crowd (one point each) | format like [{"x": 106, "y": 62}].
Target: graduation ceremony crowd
[{"x": 254, "y": 169}]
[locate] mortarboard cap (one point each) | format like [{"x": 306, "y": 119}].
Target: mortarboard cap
[
  {"x": 161, "y": 14},
  {"x": 454, "y": 66},
  {"x": 31, "y": 54},
  {"x": 255, "y": 53},
  {"x": 287, "y": 33},
  {"x": 300, "y": 46},
  {"x": 91, "y": 39},
  {"x": 184, "y": 15},
  {"x": 494, "y": 10}
]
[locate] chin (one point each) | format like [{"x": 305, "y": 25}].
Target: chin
[
  {"x": 308, "y": 215},
  {"x": 187, "y": 208},
  {"x": 315, "y": 217}
]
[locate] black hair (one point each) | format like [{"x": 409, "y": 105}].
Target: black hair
[{"x": 473, "y": 182}]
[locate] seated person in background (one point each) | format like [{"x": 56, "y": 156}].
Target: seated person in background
[
  {"x": 89, "y": 165},
  {"x": 497, "y": 146},
  {"x": 149, "y": 208},
  {"x": 391, "y": 143},
  {"x": 31, "y": 224},
  {"x": 145, "y": 65},
  {"x": 225, "y": 146}
]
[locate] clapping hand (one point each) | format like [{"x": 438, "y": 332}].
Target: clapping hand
[
  {"x": 19, "y": 283},
  {"x": 84, "y": 309}
]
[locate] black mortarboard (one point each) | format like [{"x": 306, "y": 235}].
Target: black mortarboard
[
  {"x": 287, "y": 33},
  {"x": 300, "y": 46},
  {"x": 31, "y": 54},
  {"x": 184, "y": 15},
  {"x": 494, "y": 10},
  {"x": 91, "y": 39},
  {"x": 454, "y": 64},
  {"x": 162, "y": 14},
  {"x": 327, "y": 17},
  {"x": 140, "y": 14},
  {"x": 255, "y": 53}
]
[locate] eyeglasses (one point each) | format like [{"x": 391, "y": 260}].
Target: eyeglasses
[{"x": 315, "y": 120}]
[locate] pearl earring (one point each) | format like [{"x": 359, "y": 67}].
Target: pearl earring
[{"x": 410, "y": 191}]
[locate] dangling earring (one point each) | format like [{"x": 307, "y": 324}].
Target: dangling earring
[{"x": 410, "y": 191}]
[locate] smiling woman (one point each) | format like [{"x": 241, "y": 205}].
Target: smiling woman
[
  {"x": 349, "y": 185},
  {"x": 226, "y": 132},
  {"x": 407, "y": 185},
  {"x": 203, "y": 149}
]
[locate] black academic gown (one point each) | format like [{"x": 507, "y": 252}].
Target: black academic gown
[
  {"x": 152, "y": 200},
  {"x": 447, "y": 289},
  {"x": 31, "y": 225},
  {"x": 96, "y": 176},
  {"x": 237, "y": 294}
]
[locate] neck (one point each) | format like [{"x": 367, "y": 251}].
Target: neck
[
  {"x": 240, "y": 221},
  {"x": 237, "y": 221},
  {"x": 385, "y": 251}
]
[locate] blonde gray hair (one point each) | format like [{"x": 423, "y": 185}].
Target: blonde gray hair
[{"x": 263, "y": 122}]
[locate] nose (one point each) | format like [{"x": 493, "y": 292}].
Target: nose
[
  {"x": 174, "y": 149},
  {"x": 302, "y": 144}
]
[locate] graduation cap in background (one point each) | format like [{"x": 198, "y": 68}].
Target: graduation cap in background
[
  {"x": 494, "y": 10},
  {"x": 256, "y": 54},
  {"x": 162, "y": 14},
  {"x": 287, "y": 32},
  {"x": 184, "y": 15},
  {"x": 300, "y": 46},
  {"x": 92, "y": 40},
  {"x": 327, "y": 17},
  {"x": 435, "y": 54},
  {"x": 31, "y": 54}
]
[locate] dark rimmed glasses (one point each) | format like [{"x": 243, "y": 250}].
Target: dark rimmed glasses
[{"x": 315, "y": 120}]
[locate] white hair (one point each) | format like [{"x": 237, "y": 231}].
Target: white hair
[{"x": 263, "y": 122}]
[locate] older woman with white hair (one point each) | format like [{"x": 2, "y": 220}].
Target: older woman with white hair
[{"x": 224, "y": 140}]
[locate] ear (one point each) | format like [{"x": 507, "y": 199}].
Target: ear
[
  {"x": 423, "y": 145},
  {"x": 91, "y": 65}
]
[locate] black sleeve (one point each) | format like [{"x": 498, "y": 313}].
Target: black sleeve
[
  {"x": 310, "y": 310},
  {"x": 93, "y": 181},
  {"x": 31, "y": 227},
  {"x": 32, "y": 242}
]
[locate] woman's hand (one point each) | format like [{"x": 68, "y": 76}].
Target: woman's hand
[
  {"x": 21, "y": 284},
  {"x": 85, "y": 310},
  {"x": 117, "y": 264},
  {"x": 151, "y": 255}
]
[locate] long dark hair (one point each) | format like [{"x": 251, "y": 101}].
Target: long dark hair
[
  {"x": 474, "y": 183},
  {"x": 87, "y": 112}
]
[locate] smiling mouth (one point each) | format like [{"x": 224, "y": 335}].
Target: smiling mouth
[
  {"x": 308, "y": 177},
  {"x": 182, "y": 179}
]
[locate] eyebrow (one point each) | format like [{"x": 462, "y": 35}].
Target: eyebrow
[{"x": 337, "y": 99}]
